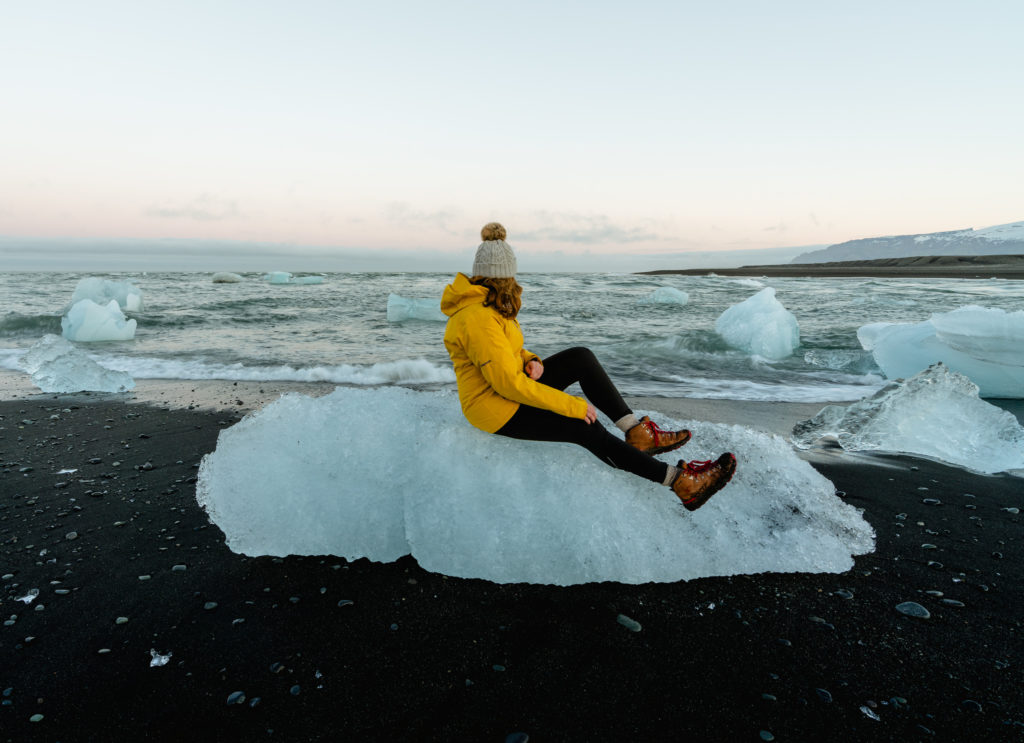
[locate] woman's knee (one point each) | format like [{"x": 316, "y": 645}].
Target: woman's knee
[{"x": 583, "y": 354}]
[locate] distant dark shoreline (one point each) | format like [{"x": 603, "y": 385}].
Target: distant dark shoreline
[{"x": 923, "y": 267}]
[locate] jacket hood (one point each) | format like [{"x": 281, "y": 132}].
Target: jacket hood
[{"x": 460, "y": 294}]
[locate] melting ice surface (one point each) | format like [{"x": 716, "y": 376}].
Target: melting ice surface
[
  {"x": 226, "y": 277},
  {"x": 760, "y": 325},
  {"x": 935, "y": 414},
  {"x": 306, "y": 476},
  {"x": 402, "y": 308},
  {"x": 57, "y": 366},
  {"x": 87, "y": 321},
  {"x": 982, "y": 343},
  {"x": 665, "y": 295},
  {"x": 102, "y": 291}
]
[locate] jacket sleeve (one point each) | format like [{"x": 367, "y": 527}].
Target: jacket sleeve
[
  {"x": 528, "y": 356},
  {"x": 500, "y": 364}
]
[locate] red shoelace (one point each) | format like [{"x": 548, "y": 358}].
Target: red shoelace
[{"x": 696, "y": 467}]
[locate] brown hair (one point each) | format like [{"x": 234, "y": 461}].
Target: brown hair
[{"x": 504, "y": 295}]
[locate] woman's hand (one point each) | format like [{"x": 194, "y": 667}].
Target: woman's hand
[
  {"x": 534, "y": 369},
  {"x": 591, "y": 414}
]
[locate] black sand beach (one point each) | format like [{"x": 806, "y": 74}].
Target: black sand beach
[
  {"x": 323, "y": 649},
  {"x": 916, "y": 267}
]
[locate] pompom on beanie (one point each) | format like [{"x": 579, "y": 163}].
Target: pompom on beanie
[{"x": 494, "y": 258}]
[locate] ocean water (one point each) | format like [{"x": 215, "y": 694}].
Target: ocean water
[{"x": 338, "y": 331}]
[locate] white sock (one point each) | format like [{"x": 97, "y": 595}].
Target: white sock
[
  {"x": 670, "y": 475},
  {"x": 626, "y": 422}
]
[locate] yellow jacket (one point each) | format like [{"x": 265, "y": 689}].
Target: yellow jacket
[{"x": 489, "y": 358}]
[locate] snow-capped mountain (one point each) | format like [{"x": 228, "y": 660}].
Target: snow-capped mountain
[{"x": 1003, "y": 239}]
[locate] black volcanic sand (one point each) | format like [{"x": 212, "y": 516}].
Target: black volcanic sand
[
  {"x": 922, "y": 267},
  {"x": 420, "y": 656}
]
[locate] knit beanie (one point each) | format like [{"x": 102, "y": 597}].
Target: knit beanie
[{"x": 494, "y": 257}]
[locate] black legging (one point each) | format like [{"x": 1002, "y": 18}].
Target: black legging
[{"x": 534, "y": 424}]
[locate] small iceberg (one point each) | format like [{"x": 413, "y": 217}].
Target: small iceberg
[
  {"x": 760, "y": 325},
  {"x": 102, "y": 291},
  {"x": 283, "y": 277},
  {"x": 226, "y": 277},
  {"x": 665, "y": 295},
  {"x": 57, "y": 366},
  {"x": 982, "y": 343},
  {"x": 402, "y": 308},
  {"x": 88, "y": 321},
  {"x": 935, "y": 414}
]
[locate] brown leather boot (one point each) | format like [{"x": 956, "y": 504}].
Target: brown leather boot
[
  {"x": 648, "y": 438},
  {"x": 698, "y": 481}
]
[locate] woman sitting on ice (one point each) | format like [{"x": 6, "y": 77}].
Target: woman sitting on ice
[{"x": 507, "y": 390}]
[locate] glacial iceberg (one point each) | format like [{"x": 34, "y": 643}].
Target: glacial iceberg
[
  {"x": 665, "y": 295},
  {"x": 57, "y": 366},
  {"x": 87, "y": 321},
  {"x": 402, "y": 308},
  {"x": 283, "y": 277},
  {"x": 301, "y": 476},
  {"x": 982, "y": 343},
  {"x": 760, "y": 325},
  {"x": 102, "y": 291},
  {"x": 226, "y": 277},
  {"x": 935, "y": 414}
]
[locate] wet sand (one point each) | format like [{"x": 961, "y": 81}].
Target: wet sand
[{"x": 334, "y": 650}]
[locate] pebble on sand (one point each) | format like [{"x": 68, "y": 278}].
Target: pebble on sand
[
  {"x": 913, "y": 609},
  {"x": 631, "y": 624}
]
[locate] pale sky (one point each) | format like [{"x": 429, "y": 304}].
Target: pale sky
[{"x": 607, "y": 127}]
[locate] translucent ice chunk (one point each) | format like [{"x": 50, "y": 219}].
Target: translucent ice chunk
[
  {"x": 294, "y": 478},
  {"x": 87, "y": 321},
  {"x": 760, "y": 325},
  {"x": 402, "y": 308},
  {"x": 29, "y": 597},
  {"x": 665, "y": 295},
  {"x": 984, "y": 344},
  {"x": 307, "y": 280},
  {"x": 102, "y": 291},
  {"x": 158, "y": 660},
  {"x": 278, "y": 277},
  {"x": 935, "y": 414},
  {"x": 57, "y": 366}
]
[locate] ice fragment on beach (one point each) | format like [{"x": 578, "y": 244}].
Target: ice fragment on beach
[
  {"x": 402, "y": 308},
  {"x": 226, "y": 277},
  {"x": 158, "y": 660},
  {"x": 665, "y": 295},
  {"x": 935, "y": 414},
  {"x": 467, "y": 504},
  {"x": 58, "y": 366},
  {"x": 102, "y": 291},
  {"x": 87, "y": 322},
  {"x": 868, "y": 712},
  {"x": 760, "y": 325},
  {"x": 29, "y": 597},
  {"x": 984, "y": 344}
]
